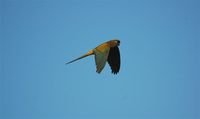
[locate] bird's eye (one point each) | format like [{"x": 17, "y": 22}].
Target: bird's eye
[{"x": 118, "y": 42}]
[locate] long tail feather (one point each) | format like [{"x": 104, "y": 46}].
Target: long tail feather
[{"x": 87, "y": 54}]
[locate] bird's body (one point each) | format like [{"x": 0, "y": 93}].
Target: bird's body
[{"x": 107, "y": 51}]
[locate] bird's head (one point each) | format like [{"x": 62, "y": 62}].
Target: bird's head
[
  {"x": 114, "y": 42},
  {"x": 117, "y": 42}
]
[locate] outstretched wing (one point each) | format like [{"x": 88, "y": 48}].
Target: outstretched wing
[
  {"x": 114, "y": 59},
  {"x": 101, "y": 58}
]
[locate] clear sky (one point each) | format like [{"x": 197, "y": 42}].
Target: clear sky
[{"x": 160, "y": 59}]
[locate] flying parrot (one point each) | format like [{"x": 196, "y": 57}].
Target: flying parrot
[{"x": 107, "y": 51}]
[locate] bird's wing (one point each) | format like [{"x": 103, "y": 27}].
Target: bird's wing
[
  {"x": 101, "y": 58},
  {"x": 114, "y": 59}
]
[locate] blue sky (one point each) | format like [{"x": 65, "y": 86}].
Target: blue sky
[{"x": 159, "y": 76}]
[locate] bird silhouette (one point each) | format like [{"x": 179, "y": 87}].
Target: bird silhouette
[{"x": 107, "y": 51}]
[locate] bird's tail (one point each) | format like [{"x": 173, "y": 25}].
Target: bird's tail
[{"x": 91, "y": 52}]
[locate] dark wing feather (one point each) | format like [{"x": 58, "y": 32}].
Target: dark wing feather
[{"x": 114, "y": 59}]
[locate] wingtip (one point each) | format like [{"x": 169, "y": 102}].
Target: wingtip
[
  {"x": 115, "y": 73},
  {"x": 98, "y": 71}
]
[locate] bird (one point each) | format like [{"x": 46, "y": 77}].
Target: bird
[{"x": 107, "y": 51}]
